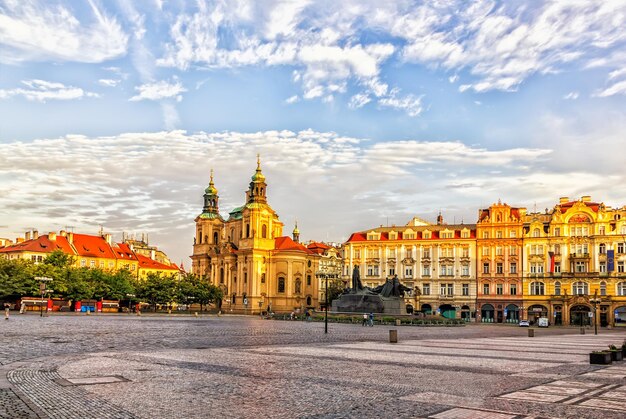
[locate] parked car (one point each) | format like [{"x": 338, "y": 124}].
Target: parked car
[{"x": 524, "y": 323}]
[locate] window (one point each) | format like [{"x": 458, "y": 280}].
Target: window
[
  {"x": 245, "y": 277},
  {"x": 465, "y": 252},
  {"x": 499, "y": 234},
  {"x": 357, "y": 253},
  {"x": 536, "y": 268},
  {"x": 83, "y": 263},
  {"x": 465, "y": 289},
  {"x": 621, "y": 288},
  {"x": 499, "y": 268},
  {"x": 427, "y": 253},
  {"x": 536, "y": 232},
  {"x": 537, "y": 288},
  {"x": 557, "y": 231},
  {"x": 447, "y": 252},
  {"x": 465, "y": 270},
  {"x": 499, "y": 251},
  {"x": 620, "y": 247},
  {"x": 580, "y": 266},
  {"x": 92, "y": 263},
  {"x": 513, "y": 267},
  {"x": 601, "y": 230},
  {"x": 513, "y": 250},
  {"x": 308, "y": 280},
  {"x": 620, "y": 266},
  {"x": 447, "y": 234},
  {"x": 426, "y": 289},
  {"x": 446, "y": 270},
  {"x": 485, "y": 234},
  {"x": 263, "y": 279},
  {"x": 264, "y": 231},
  {"x": 557, "y": 249},
  {"x": 486, "y": 251},
  {"x": 513, "y": 234},
  {"x": 486, "y": 289},
  {"x": 557, "y": 267},
  {"x": 536, "y": 249},
  {"x": 392, "y": 253},
  {"x": 602, "y": 288},
  {"x": 602, "y": 248},
  {"x": 513, "y": 289},
  {"x": 409, "y": 253},
  {"x": 409, "y": 236},
  {"x": 281, "y": 284},
  {"x": 426, "y": 271},
  {"x": 447, "y": 289},
  {"x": 408, "y": 272},
  {"x": 392, "y": 271},
  {"x": 486, "y": 267},
  {"x": 465, "y": 234},
  {"x": 499, "y": 289},
  {"x": 372, "y": 253},
  {"x": 557, "y": 288},
  {"x": 580, "y": 288},
  {"x": 372, "y": 270},
  {"x": 602, "y": 267},
  {"x": 101, "y": 264}
]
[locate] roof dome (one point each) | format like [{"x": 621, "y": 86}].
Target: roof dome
[{"x": 211, "y": 190}]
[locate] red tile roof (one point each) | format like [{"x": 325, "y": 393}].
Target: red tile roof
[
  {"x": 147, "y": 263},
  {"x": 92, "y": 246},
  {"x": 41, "y": 244},
  {"x": 286, "y": 243},
  {"x": 122, "y": 251}
]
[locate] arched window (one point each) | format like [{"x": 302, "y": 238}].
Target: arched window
[
  {"x": 247, "y": 230},
  {"x": 557, "y": 288},
  {"x": 602, "y": 248},
  {"x": 580, "y": 288},
  {"x": 537, "y": 288},
  {"x": 536, "y": 232},
  {"x": 308, "y": 300},
  {"x": 281, "y": 284},
  {"x": 215, "y": 238},
  {"x": 221, "y": 275},
  {"x": 602, "y": 288},
  {"x": 298, "y": 286},
  {"x": 264, "y": 231}
]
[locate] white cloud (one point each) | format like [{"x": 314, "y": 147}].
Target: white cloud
[
  {"x": 108, "y": 82},
  {"x": 36, "y": 30},
  {"x": 411, "y": 104},
  {"x": 42, "y": 91},
  {"x": 618, "y": 88},
  {"x": 571, "y": 96},
  {"x": 292, "y": 99},
  {"x": 359, "y": 100},
  {"x": 159, "y": 90}
]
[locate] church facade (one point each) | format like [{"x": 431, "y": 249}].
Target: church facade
[{"x": 247, "y": 256}]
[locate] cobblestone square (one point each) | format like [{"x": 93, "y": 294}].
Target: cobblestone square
[{"x": 240, "y": 367}]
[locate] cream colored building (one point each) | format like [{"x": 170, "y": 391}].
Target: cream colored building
[{"x": 438, "y": 261}]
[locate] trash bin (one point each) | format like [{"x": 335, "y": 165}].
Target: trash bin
[
  {"x": 393, "y": 336},
  {"x": 531, "y": 333}
]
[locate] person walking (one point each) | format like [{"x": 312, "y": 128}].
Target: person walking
[
  {"x": 364, "y": 319},
  {"x": 6, "y": 311},
  {"x": 371, "y": 319}
]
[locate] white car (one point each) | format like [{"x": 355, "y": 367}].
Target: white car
[{"x": 524, "y": 323}]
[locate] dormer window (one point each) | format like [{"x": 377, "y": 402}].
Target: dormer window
[{"x": 426, "y": 234}]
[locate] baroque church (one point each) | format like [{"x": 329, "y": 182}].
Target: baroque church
[{"x": 247, "y": 256}]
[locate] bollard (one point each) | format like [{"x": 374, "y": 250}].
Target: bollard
[
  {"x": 88, "y": 312},
  {"x": 398, "y": 322},
  {"x": 393, "y": 336},
  {"x": 531, "y": 333},
  {"x": 582, "y": 330}
]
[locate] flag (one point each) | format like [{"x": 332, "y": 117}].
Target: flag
[
  {"x": 551, "y": 261},
  {"x": 610, "y": 260}
]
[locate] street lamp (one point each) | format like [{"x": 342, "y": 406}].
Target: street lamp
[
  {"x": 130, "y": 299},
  {"x": 42, "y": 288},
  {"x": 326, "y": 273},
  {"x": 595, "y": 301}
]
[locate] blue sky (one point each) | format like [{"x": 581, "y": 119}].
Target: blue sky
[{"x": 112, "y": 113}]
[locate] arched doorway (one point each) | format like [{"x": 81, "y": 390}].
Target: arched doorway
[
  {"x": 465, "y": 313},
  {"x": 447, "y": 311},
  {"x": 558, "y": 315},
  {"x": 487, "y": 313},
  {"x": 512, "y": 314},
  {"x": 409, "y": 309},
  {"x": 620, "y": 316},
  {"x": 536, "y": 311},
  {"x": 427, "y": 309},
  {"x": 579, "y": 316}
]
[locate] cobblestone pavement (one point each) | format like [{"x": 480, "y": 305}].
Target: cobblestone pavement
[{"x": 71, "y": 366}]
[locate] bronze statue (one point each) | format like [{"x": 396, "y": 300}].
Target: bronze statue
[{"x": 356, "y": 280}]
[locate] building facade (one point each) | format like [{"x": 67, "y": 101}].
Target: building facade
[
  {"x": 246, "y": 255},
  {"x": 438, "y": 261},
  {"x": 499, "y": 271}
]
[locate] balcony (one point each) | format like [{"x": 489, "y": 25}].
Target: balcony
[{"x": 579, "y": 255}]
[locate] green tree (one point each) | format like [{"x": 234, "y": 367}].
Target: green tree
[
  {"x": 59, "y": 259},
  {"x": 157, "y": 289},
  {"x": 17, "y": 279},
  {"x": 335, "y": 289}
]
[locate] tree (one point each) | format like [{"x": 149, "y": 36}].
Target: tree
[
  {"x": 59, "y": 259},
  {"x": 335, "y": 289},
  {"x": 17, "y": 279},
  {"x": 157, "y": 289}
]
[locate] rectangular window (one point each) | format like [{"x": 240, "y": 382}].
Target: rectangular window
[
  {"x": 620, "y": 247},
  {"x": 602, "y": 267},
  {"x": 581, "y": 266},
  {"x": 486, "y": 289},
  {"x": 499, "y": 289},
  {"x": 557, "y": 231},
  {"x": 513, "y": 267},
  {"x": 465, "y": 288},
  {"x": 372, "y": 270},
  {"x": 308, "y": 279},
  {"x": 465, "y": 270},
  {"x": 83, "y": 263},
  {"x": 409, "y": 253},
  {"x": 442, "y": 289},
  {"x": 392, "y": 271},
  {"x": 486, "y": 267},
  {"x": 601, "y": 231},
  {"x": 426, "y": 289},
  {"x": 498, "y": 234},
  {"x": 465, "y": 252},
  {"x": 92, "y": 263},
  {"x": 245, "y": 277},
  {"x": 357, "y": 253},
  {"x": 486, "y": 251},
  {"x": 427, "y": 253},
  {"x": 485, "y": 234},
  {"x": 499, "y": 268},
  {"x": 557, "y": 267},
  {"x": 408, "y": 272},
  {"x": 499, "y": 251},
  {"x": 513, "y": 234},
  {"x": 513, "y": 289},
  {"x": 426, "y": 271},
  {"x": 513, "y": 250},
  {"x": 620, "y": 267},
  {"x": 450, "y": 289}
]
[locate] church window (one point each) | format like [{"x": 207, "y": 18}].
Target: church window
[
  {"x": 536, "y": 232},
  {"x": 215, "y": 238},
  {"x": 281, "y": 284},
  {"x": 264, "y": 231},
  {"x": 308, "y": 280},
  {"x": 308, "y": 300},
  {"x": 247, "y": 230},
  {"x": 262, "y": 278}
]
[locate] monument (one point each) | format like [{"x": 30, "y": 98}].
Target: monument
[{"x": 387, "y": 298}]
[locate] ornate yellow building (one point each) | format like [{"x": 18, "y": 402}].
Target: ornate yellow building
[
  {"x": 574, "y": 263},
  {"x": 248, "y": 258},
  {"x": 499, "y": 257},
  {"x": 437, "y": 261}
]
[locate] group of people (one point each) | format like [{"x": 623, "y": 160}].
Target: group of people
[{"x": 368, "y": 319}]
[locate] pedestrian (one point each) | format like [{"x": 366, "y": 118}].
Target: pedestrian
[
  {"x": 364, "y": 319},
  {"x": 307, "y": 315},
  {"x": 22, "y": 307},
  {"x": 6, "y": 311},
  {"x": 371, "y": 319},
  {"x": 291, "y": 316}
]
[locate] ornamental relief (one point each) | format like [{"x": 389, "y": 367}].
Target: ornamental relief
[
  {"x": 408, "y": 261},
  {"x": 391, "y": 261}
]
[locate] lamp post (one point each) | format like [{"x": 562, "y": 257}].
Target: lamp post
[
  {"x": 130, "y": 299},
  {"x": 595, "y": 301},
  {"x": 326, "y": 273},
  {"x": 42, "y": 288}
]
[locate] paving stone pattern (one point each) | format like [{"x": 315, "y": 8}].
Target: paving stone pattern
[{"x": 240, "y": 367}]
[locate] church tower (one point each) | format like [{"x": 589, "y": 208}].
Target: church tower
[
  {"x": 258, "y": 188},
  {"x": 296, "y": 233}
]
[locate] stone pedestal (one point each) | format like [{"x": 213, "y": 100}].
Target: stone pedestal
[{"x": 368, "y": 303}]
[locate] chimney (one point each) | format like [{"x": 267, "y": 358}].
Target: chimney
[
  {"x": 35, "y": 234},
  {"x": 563, "y": 200},
  {"x": 586, "y": 198},
  {"x": 19, "y": 240},
  {"x": 62, "y": 233},
  {"x": 27, "y": 236},
  {"x": 107, "y": 237},
  {"x": 70, "y": 238},
  {"x": 52, "y": 236}
]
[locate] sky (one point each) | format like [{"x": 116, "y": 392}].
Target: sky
[{"x": 364, "y": 113}]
